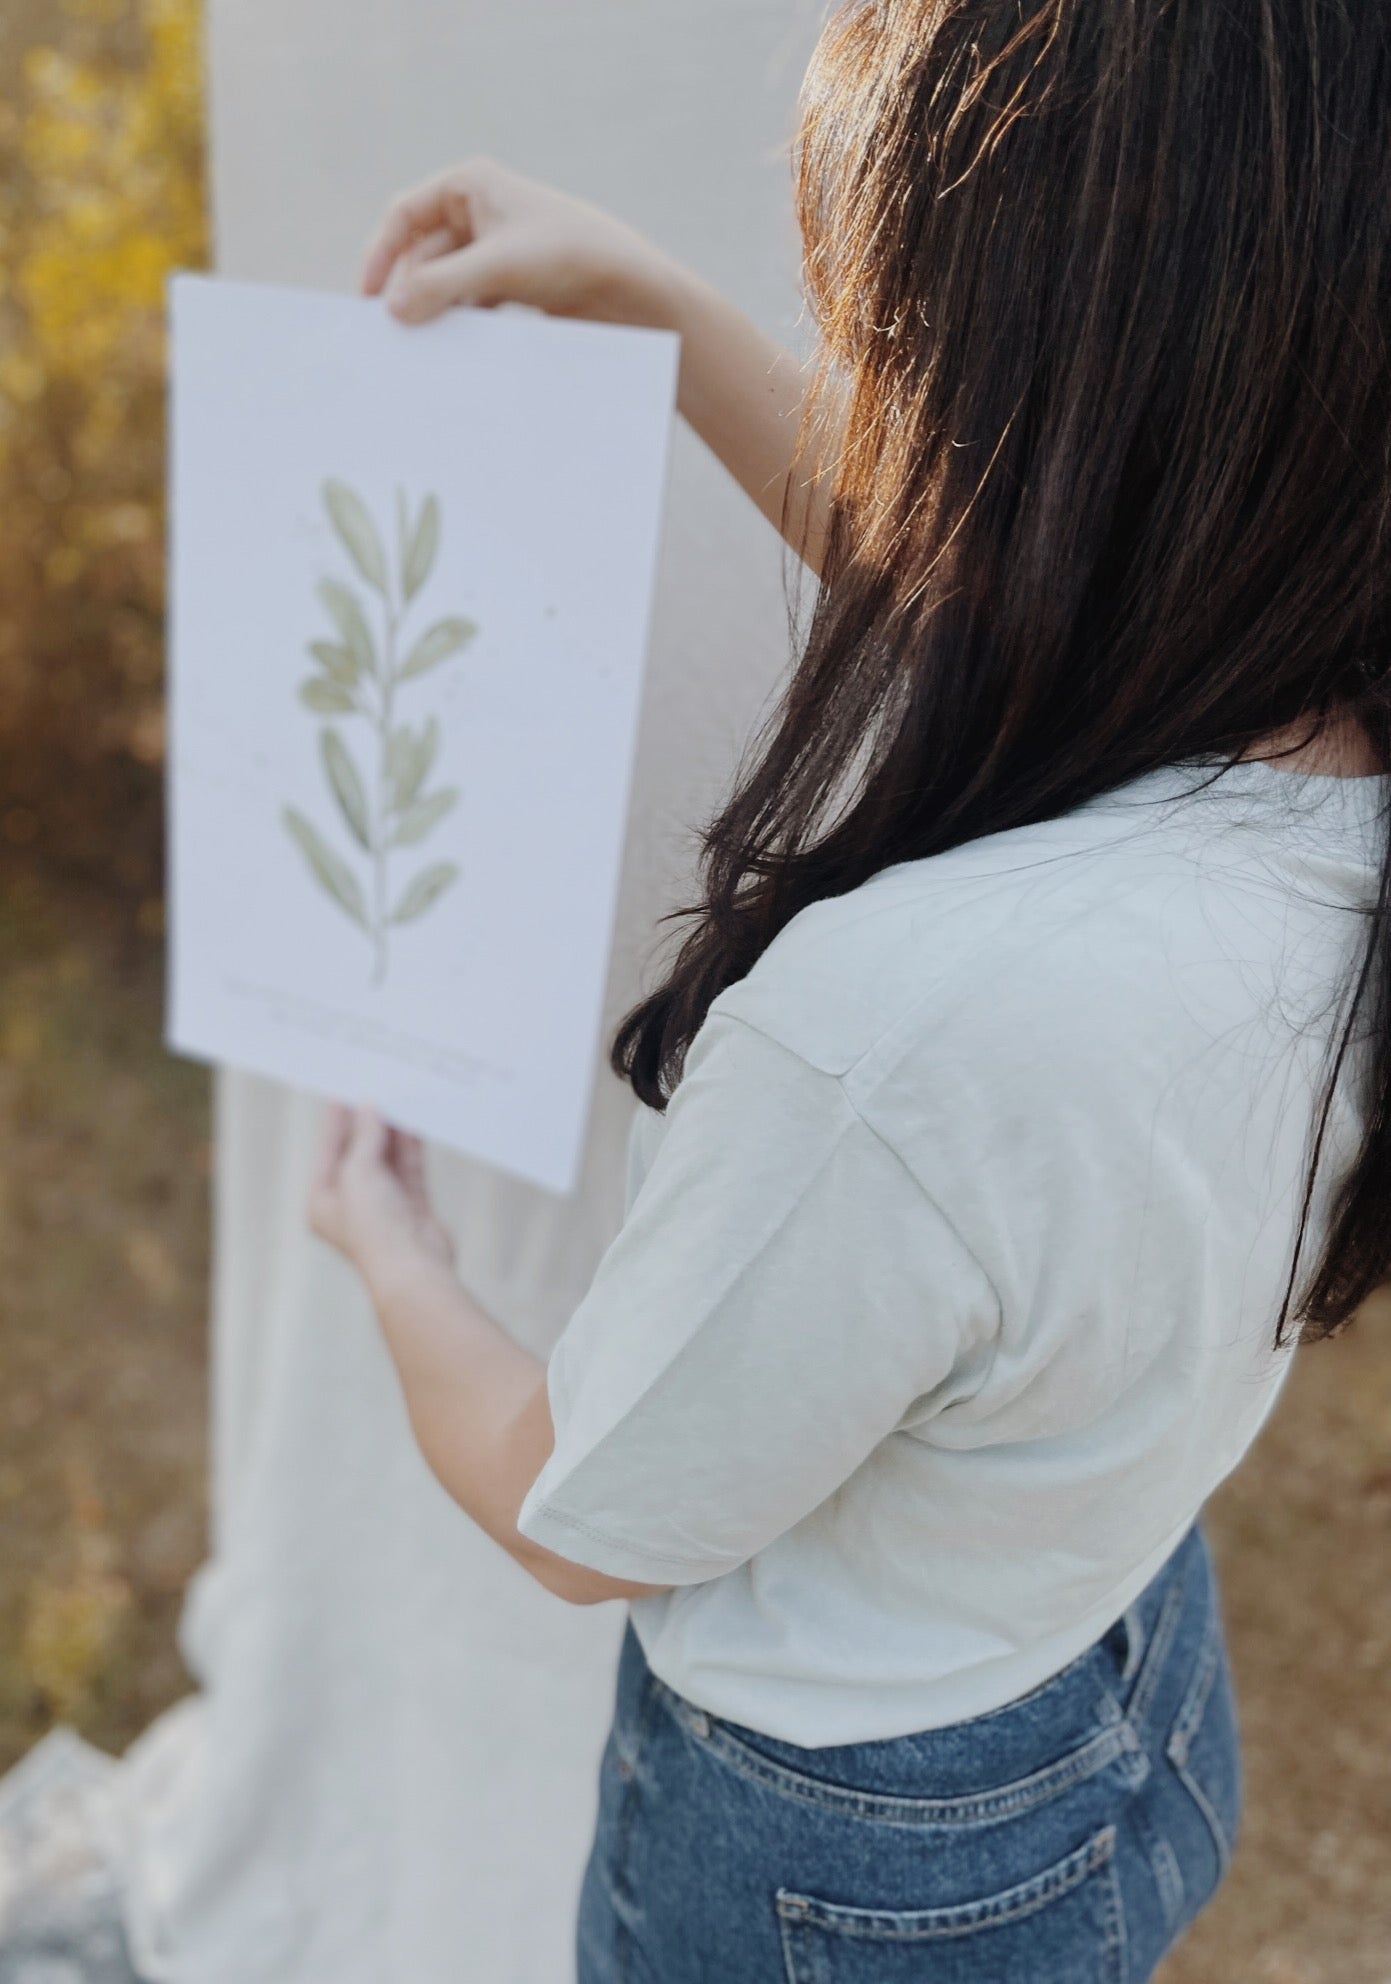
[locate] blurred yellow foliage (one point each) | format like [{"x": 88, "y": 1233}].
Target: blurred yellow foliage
[
  {"x": 69, "y": 1636},
  {"x": 112, "y": 204},
  {"x": 73, "y": 1621},
  {"x": 101, "y": 195}
]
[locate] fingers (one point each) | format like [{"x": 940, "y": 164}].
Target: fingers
[
  {"x": 422, "y": 290},
  {"x": 366, "y": 1174},
  {"x": 333, "y": 1143},
  {"x": 367, "y": 1147},
  {"x": 334, "y": 1139},
  {"x": 410, "y": 1167},
  {"x": 405, "y": 1155},
  {"x": 442, "y": 202},
  {"x": 425, "y": 247},
  {"x": 439, "y": 203}
]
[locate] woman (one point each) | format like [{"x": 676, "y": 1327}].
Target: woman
[{"x": 1018, "y": 1095}]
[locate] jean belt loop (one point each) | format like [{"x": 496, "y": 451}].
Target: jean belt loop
[{"x": 1134, "y": 1642}]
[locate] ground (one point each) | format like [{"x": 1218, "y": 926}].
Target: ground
[
  {"x": 103, "y": 1205},
  {"x": 103, "y": 1264}
]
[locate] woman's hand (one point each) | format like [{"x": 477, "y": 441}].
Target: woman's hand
[
  {"x": 477, "y": 1400},
  {"x": 482, "y": 235},
  {"x": 369, "y": 1199}
]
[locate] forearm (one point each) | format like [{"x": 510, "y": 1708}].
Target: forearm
[
  {"x": 467, "y": 1388},
  {"x": 745, "y": 395},
  {"x": 479, "y": 1411}
]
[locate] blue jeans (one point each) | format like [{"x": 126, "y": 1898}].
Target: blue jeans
[{"x": 1067, "y": 1838}]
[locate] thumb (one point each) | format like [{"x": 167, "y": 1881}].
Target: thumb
[{"x": 474, "y": 276}]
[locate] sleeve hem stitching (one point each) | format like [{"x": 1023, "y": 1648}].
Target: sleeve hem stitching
[{"x": 550, "y": 1513}]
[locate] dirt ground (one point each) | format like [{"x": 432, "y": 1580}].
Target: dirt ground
[
  {"x": 103, "y": 1259},
  {"x": 103, "y": 1188}
]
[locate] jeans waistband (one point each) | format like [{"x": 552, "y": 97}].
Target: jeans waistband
[{"x": 1101, "y": 1698}]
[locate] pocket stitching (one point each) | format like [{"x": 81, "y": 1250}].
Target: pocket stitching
[
  {"x": 1116, "y": 1947},
  {"x": 1190, "y": 1714},
  {"x": 909, "y": 1925},
  {"x": 1156, "y": 1653},
  {"x": 1185, "y": 1729},
  {"x": 1187, "y": 1723},
  {"x": 971, "y": 1808},
  {"x": 1168, "y": 1876},
  {"x": 1214, "y": 1824}
]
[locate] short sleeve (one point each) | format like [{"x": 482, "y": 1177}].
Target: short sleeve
[{"x": 781, "y": 1295}]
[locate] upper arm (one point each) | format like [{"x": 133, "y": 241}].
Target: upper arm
[
  {"x": 533, "y": 1441},
  {"x": 779, "y": 1298}
]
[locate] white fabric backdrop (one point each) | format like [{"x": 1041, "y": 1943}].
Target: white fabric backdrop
[{"x": 389, "y": 1772}]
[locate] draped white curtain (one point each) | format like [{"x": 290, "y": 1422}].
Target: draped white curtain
[{"x": 388, "y": 1773}]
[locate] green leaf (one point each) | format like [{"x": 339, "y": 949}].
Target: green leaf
[
  {"x": 428, "y": 886},
  {"x": 408, "y": 761},
  {"x": 400, "y": 757},
  {"x": 339, "y": 661},
  {"x": 326, "y": 698},
  {"x": 445, "y": 638},
  {"x": 418, "y": 556},
  {"x": 351, "y": 622},
  {"x": 347, "y": 785},
  {"x": 427, "y": 813},
  {"x": 335, "y": 877},
  {"x": 426, "y": 751},
  {"x": 353, "y": 522},
  {"x": 401, "y": 751}
]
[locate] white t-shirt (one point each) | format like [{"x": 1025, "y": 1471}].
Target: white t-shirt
[{"x": 948, "y": 1284}]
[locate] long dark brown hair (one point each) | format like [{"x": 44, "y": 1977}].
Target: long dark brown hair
[{"x": 1105, "y": 286}]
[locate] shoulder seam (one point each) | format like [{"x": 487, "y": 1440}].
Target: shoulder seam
[
  {"x": 967, "y": 1249},
  {"x": 828, "y": 1075}
]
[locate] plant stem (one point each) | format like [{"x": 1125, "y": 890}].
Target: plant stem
[{"x": 382, "y": 811}]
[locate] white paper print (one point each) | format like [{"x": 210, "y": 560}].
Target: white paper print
[{"x": 411, "y": 580}]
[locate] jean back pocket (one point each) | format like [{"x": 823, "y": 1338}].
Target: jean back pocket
[{"x": 1064, "y": 1924}]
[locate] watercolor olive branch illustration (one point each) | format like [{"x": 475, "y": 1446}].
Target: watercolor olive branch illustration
[{"x": 361, "y": 675}]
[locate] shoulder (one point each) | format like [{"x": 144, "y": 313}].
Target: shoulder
[{"x": 1048, "y": 925}]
